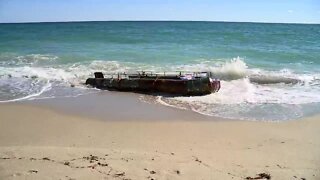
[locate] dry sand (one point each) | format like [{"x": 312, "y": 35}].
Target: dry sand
[{"x": 39, "y": 143}]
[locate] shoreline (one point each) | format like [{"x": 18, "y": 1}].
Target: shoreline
[
  {"x": 105, "y": 105},
  {"x": 118, "y": 106},
  {"x": 39, "y": 142}
]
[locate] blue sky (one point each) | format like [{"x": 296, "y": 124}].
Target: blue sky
[{"x": 289, "y": 11}]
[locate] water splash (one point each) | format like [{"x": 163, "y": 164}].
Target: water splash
[{"x": 243, "y": 91}]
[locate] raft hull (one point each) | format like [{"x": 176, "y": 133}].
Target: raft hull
[{"x": 193, "y": 87}]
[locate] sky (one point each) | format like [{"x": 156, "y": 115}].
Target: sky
[{"x": 277, "y": 11}]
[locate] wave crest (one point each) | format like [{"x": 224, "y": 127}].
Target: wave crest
[{"x": 231, "y": 70}]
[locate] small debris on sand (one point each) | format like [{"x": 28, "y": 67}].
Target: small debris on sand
[
  {"x": 197, "y": 160},
  {"x": 33, "y": 171},
  {"x": 46, "y": 159},
  {"x": 91, "y": 158},
  {"x": 4, "y": 158},
  {"x": 119, "y": 174},
  {"x": 102, "y": 164},
  {"x": 260, "y": 176}
]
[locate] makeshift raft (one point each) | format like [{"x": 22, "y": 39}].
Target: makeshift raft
[{"x": 186, "y": 84}]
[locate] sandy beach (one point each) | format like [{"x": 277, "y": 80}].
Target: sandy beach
[
  {"x": 159, "y": 90},
  {"x": 39, "y": 142}
]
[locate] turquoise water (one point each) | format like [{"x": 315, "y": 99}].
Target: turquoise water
[{"x": 268, "y": 71}]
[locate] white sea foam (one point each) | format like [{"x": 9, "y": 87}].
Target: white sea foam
[
  {"x": 242, "y": 88},
  {"x": 20, "y": 78},
  {"x": 243, "y": 99},
  {"x": 246, "y": 92},
  {"x": 234, "y": 69},
  {"x": 45, "y": 88},
  {"x": 30, "y": 60},
  {"x": 243, "y": 91}
]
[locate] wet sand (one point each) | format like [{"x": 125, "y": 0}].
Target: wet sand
[
  {"x": 39, "y": 140},
  {"x": 118, "y": 106}
]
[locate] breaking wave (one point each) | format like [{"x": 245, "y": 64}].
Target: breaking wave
[
  {"x": 244, "y": 89},
  {"x": 235, "y": 69},
  {"x": 30, "y": 60}
]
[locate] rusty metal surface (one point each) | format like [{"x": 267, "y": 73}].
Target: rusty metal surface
[{"x": 163, "y": 84}]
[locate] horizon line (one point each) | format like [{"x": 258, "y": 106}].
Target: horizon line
[{"x": 80, "y": 21}]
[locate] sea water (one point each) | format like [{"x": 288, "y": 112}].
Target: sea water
[{"x": 267, "y": 71}]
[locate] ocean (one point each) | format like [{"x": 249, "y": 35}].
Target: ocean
[{"x": 268, "y": 72}]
